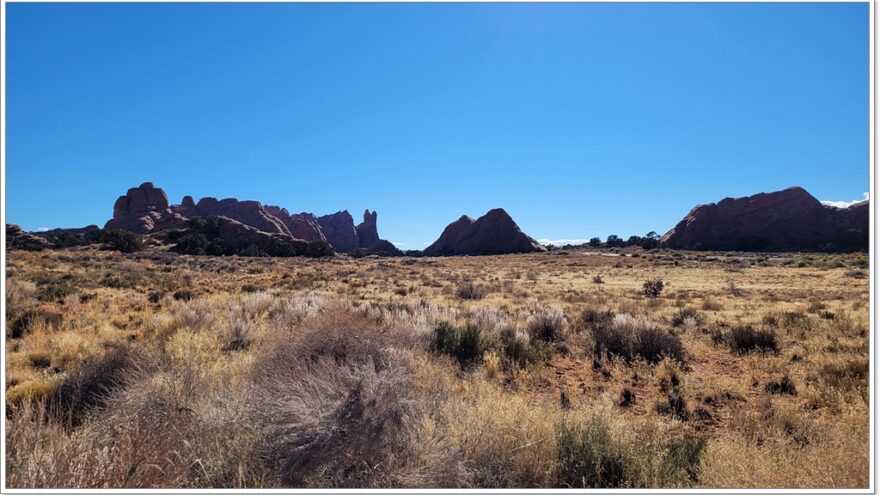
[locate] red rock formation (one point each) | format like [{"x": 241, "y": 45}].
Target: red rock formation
[
  {"x": 144, "y": 209},
  {"x": 368, "y": 235},
  {"x": 240, "y": 236},
  {"x": 787, "y": 220},
  {"x": 340, "y": 231},
  {"x": 493, "y": 233},
  {"x": 250, "y": 213},
  {"x": 301, "y": 225}
]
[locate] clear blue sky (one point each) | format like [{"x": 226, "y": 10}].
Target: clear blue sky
[{"x": 579, "y": 119}]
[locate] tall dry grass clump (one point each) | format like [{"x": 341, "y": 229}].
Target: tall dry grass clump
[{"x": 337, "y": 408}]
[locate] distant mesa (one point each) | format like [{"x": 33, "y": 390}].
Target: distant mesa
[
  {"x": 145, "y": 209},
  {"x": 787, "y": 220},
  {"x": 493, "y": 233}
]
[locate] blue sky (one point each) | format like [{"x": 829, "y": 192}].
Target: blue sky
[{"x": 579, "y": 119}]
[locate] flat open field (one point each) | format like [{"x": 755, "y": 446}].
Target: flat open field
[{"x": 544, "y": 370}]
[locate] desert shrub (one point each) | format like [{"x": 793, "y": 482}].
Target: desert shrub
[
  {"x": 683, "y": 315},
  {"x": 850, "y": 376},
  {"x": 746, "y": 339},
  {"x": 653, "y": 288},
  {"x": 597, "y": 279},
  {"x": 155, "y": 296},
  {"x": 519, "y": 350},
  {"x": 547, "y": 325},
  {"x": 196, "y": 314},
  {"x": 124, "y": 241},
  {"x": 591, "y": 454},
  {"x": 710, "y": 305},
  {"x": 627, "y": 398},
  {"x": 464, "y": 344},
  {"x": 782, "y": 386},
  {"x": 470, "y": 291},
  {"x": 55, "y": 291},
  {"x": 238, "y": 333},
  {"x": 593, "y": 318},
  {"x": 252, "y": 250},
  {"x": 87, "y": 387},
  {"x": 630, "y": 337},
  {"x": 685, "y": 454},
  {"x": 795, "y": 319},
  {"x": 121, "y": 280},
  {"x": 336, "y": 407},
  {"x": 184, "y": 295},
  {"x": 816, "y": 306},
  {"x": 492, "y": 363},
  {"x": 139, "y": 437},
  {"x": 675, "y": 405},
  {"x": 588, "y": 456},
  {"x": 198, "y": 243},
  {"x": 31, "y": 317}
]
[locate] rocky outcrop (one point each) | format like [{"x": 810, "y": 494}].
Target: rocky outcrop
[
  {"x": 340, "y": 231},
  {"x": 368, "y": 236},
  {"x": 303, "y": 226},
  {"x": 250, "y": 213},
  {"x": 65, "y": 238},
  {"x": 222, "y": 235},
  {"x": 380, "y": 248},
  {"x": 16, "y": 238},
  {"x": 787, "y": 220},
  {"x": 493, "y": 233},
  {"x": 144, "y": 209},
  {"x": 239, "y": 236}
]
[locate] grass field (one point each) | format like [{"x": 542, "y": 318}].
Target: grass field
[{"x": 547, "y": 370}]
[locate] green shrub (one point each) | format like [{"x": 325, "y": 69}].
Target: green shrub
[
  {"x": 55, "y": 291},
  {"x": 591, "y": 455},
  {"x": 588, "y": 456},
  {"x": 470, "y": 291},
  {"x": 630, "y": 338},
  {"x": 653, "y": 288},
  {"x": 124, "y": 241},
  {"x": 184, "y": 295},
  {"x": 747, "y": 339},
  {"x": 464, "y": 344},
  {"x": 520, "y": 351},
  {"x": 547, "y": 325},
  {"x": 782, "y": 386},
  {"x": 685, "y": 314}
]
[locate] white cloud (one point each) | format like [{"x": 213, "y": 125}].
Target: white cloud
[
  {"x": 845, "y": 204},
  {"x": 562, "y": 242},
  {"x": 42, "y": 229},
  {"x": 398, "y": 244},
  {"x": 426, "y": 244}
]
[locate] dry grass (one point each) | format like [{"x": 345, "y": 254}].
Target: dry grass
[{"x": 270, "y": 372}]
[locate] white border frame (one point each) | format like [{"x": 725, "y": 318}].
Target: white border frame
[{"x": 872, "y": 284}]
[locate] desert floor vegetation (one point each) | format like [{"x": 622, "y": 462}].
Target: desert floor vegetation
[{"x": 154, "y": 369}]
